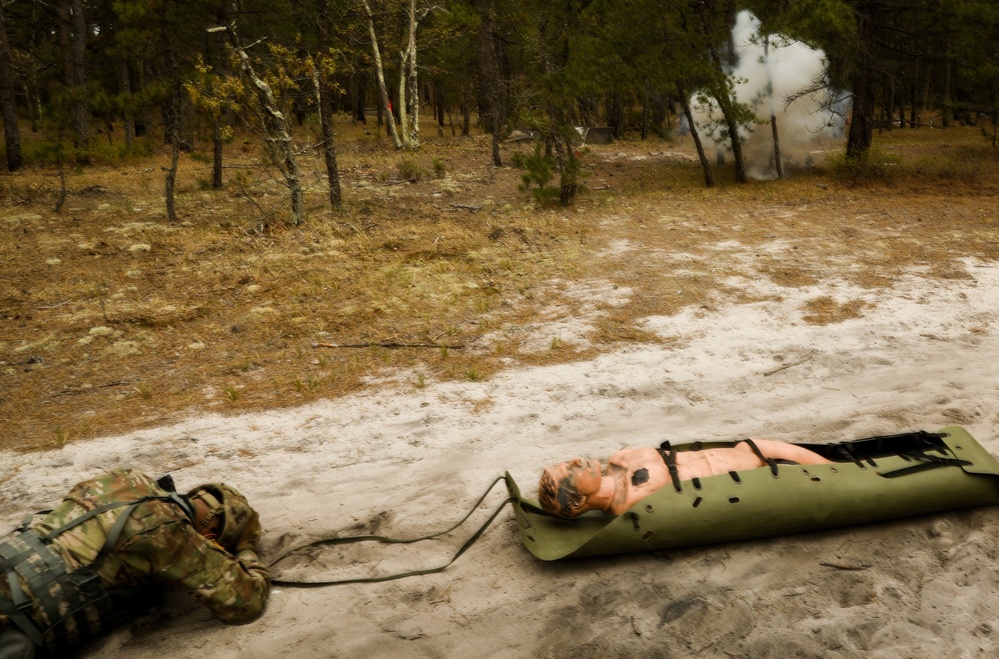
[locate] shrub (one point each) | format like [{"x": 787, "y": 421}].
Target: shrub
[
  {"x": 540, "y": 172},
  {"x": 409, "y": 170}
]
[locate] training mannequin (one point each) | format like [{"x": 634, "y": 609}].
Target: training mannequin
[{"x": 572, "y": 488}]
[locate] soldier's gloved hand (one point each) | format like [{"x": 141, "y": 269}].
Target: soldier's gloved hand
[{"x": 250, "y": 536}]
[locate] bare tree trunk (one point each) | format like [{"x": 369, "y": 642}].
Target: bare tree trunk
[
  {"x": 888, "y": 111},
  {"x": 33, "y": 100},
  {"x": 82, "y": 110},
  {"x": 128, "y": 116},
  {"x": 917, "y": 102},
  {"x": 725, "y": 103},
  {"x": 709, "y": 179},
  {"x": 360, "y": 100},
  {"x": 217, "y": 182},
  {"x": 777, "y": 162},
  {"x": 171, "y": 113},
  {"x": 380, "y": 73},
  {"x": 220, "y": 63},
  {"x": 489, "y": 75},
  {"x": 75, "y": 37},
  {"x": 948, "y": 99},
  {"x": 645, "y": 112},
  {"x": 401, "y": 107},
  {"x": 439, "y": 107},
  {"x": 721, "y": 91},
  {"x": 615, "y": 113},
  {"x": 171, "y": 177},
  {"x": 773, "y": 108},
  {"x": 414, "y": 86},
  {"x": 409, "y": 88},
  {"x": 276, "y": 126},
  {"x": 329, "y": 147},
  {"x": 66, "y": 41},
  {"x": 8, "y": 107},
  {"x": 61, "y": 165},
  {"x": 325, "y": 92},
  {"x": 861, "y": 134},
  {"x": 723, "y": 95}
]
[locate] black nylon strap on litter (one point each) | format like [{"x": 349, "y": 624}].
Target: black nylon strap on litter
[
  {"x": 670, "y": 459},
  {"x": 769, "y": 461},
  {"x": 847, "y": 452},
  {"x": 383, "y": 539},
  {"x": 914, "y": 469},
  {"x": 924, "y": 462},
  {"x": 936, "y": 459}
]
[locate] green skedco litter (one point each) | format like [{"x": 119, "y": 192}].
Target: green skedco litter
[{"x": 873, "y": 479}]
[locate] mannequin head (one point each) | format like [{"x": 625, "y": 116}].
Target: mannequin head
[{"x": 566, "y": 488}]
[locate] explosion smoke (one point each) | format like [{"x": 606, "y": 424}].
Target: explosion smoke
[{"x": 795, "y": 71}]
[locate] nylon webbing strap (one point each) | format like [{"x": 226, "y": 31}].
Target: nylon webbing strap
[
  {"x": 769, "y": 461},
  {"x": 937, "y": 459},
  {"x": 847, "y": 452},
  {"x": 115, "y": 533},
  {"x": 23, "y": 622},
  {"x": 17, "y": 595},
  {"x": 670, "y": 459},
  {"x": 90, "y": 514},
  {"x": 40, "y": 574},
  {"x": 383, "y": 539},
  {"x": 26, "y": 522},
  {"x": 40, "y": 547},
  {"x": 11, "y": 555},
  {"x": 924, "y": 462},
  {"x": 173, "y": 498}
]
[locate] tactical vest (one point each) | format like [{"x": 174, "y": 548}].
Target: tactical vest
[{"x": 74, "y": 603}]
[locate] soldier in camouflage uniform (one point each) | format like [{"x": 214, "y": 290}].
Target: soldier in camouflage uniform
[{"x": 82, "y": 567}]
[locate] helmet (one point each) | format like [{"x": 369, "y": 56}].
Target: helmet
[{"x": 237, "y": 515}]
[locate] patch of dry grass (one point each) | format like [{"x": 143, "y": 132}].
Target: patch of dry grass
[
  {"x": 114, "y": 319},
  {"x": 824, "y": 310}
]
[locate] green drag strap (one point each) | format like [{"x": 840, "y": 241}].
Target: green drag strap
[{"x": 383, "y": 539}]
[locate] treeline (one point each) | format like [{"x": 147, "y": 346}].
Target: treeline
[{"x": 74, "y": 70}]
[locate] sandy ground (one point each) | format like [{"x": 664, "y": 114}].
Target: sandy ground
[{"x": 406, "y": 461}]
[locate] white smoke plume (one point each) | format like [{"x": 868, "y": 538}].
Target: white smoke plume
[{"x": 790, "y": 67}]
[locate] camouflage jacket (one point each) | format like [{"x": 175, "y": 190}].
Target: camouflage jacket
[{"x": 158, "y": 544}]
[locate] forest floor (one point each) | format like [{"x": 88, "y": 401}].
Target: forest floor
[{"x": 439, "y": 268}]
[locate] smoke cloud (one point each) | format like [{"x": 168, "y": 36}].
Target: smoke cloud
[{"x": 788, "y": 67}]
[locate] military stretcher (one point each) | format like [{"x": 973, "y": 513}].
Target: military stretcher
[{"x": 872, "y": 479}]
